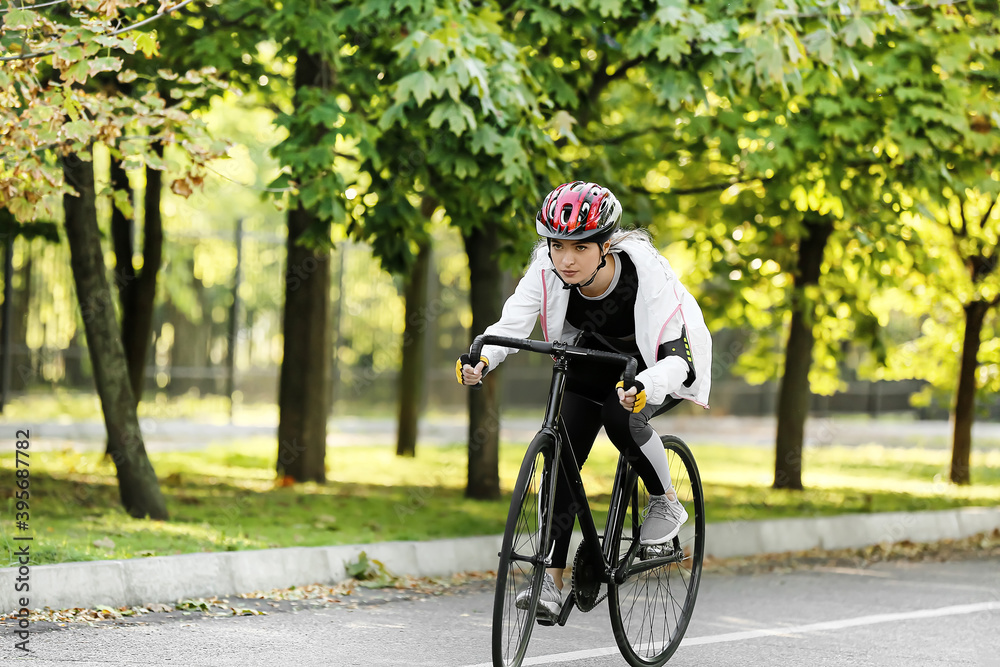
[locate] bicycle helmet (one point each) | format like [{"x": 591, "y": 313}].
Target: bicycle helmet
[{"x": 579, "y": 211}]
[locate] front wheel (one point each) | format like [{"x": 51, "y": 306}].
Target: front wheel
[
  {"x": 522, "y": 556},
  {"x": 652, "y": 597}
]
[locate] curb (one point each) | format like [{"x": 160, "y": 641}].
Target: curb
[{"x": 166, "y": 579}]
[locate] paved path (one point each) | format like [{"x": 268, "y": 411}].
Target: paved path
[
  {"x": 164, "y": 435},
  {"x": 898, "y": 615}
]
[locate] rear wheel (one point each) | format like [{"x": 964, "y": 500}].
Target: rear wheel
[
  {"x": 653, "y": 593},
  {"x": 522, "y": 556}
]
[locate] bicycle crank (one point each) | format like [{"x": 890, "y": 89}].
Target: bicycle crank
[{"x": 587, "y": 579}]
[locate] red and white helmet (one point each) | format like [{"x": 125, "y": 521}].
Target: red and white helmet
[{"x": 579, "y": 211}]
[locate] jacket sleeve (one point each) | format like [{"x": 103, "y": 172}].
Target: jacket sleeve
[
  {"x": 519, "y": 314},
  {"x": 668, "y": 374}
]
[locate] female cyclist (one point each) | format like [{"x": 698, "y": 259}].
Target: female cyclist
[{"x": 603, "y": 288}]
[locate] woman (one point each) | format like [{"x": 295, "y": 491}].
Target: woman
[{"x": 602, "y": 288}]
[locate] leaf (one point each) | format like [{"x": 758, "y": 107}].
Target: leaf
[
  {"x": 358, "y": 568},
  {"x": 419, "y": 84},
  {"x": 20, "y": 19},
  {"x": 181, "y": 188},
  {"x": 860, "y": 28},
  {"x": 123, "y": 202},
  {"x": 106, "y": 64},
  {"x": 610, "y": 8},
  {"x": 458, "y": 115},
  {"x": 21, "y": 208},
  {"x": 563, "y": 122},
  {"x": 546, "y": 19},
  {"x": 76, "y": 73},
  {"x": 487, "y": 139},
  {"x": 146, "y": 42},
  {"x": 431, "y": 51},
  {"x": 394, "y": 114},
  {"x": 72, "y": 107},
  {"x": 827, "y": 107},
  {"x": 671, "y": 12},
  {"x": 820, "y": 44},
  {"x": 672, "y": 48},
  {"x": 79, "y": 130}
]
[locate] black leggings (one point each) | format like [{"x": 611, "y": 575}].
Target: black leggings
[{"x": 583, "y": 415}]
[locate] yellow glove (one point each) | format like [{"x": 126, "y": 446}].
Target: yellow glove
[
  {"x": 466, "y": 360},
  {"x": 640, "y": 395}
]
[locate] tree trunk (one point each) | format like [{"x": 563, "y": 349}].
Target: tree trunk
[
  {"x": 189, "y": 350},
  {"x": 795, "y": 395},
  {"x": 411, "y": 380},
  {"x": 965, "y": 396},
  {"x": 137, "y": 484},
  {"x": 21, "y": 355},
  {"x": 302, "y": 387},
  {"x": 302, "y": 401},
  {"x": 484, "y": 413},
  {"x": 137, "y": 291}
]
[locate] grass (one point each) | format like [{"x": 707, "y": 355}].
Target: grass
[
  {"x": 67, "y": 407},
  {"x": 225, "y": 498}
]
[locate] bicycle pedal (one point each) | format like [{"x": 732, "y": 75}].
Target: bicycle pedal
[
  {"x": 656, "y": 551},
  {"x": 543, "y": 617}
]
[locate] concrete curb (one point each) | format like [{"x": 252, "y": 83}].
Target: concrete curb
[{"x": 170, "y": 578}]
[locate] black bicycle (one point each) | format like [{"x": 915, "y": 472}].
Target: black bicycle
[{"x": 651, "y": 589}]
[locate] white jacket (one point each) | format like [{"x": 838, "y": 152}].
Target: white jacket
[{"x": 662, "y": 306}]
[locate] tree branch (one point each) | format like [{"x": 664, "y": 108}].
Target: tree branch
[
  {"x": 964, "y": 229},
  {"x": 625, "y": 136},
  {"x": 715, "y": 187},
  {"x": 601, "y": 81},
  {"x": 24, "y": 6},
  {"x": 986, "y": 216},
  {"x": 154, "y": 17}
]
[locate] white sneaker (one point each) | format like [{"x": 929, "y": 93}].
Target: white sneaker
[
  {"x": 549, "y": 600},
  {"x": 662, "y": 520}
]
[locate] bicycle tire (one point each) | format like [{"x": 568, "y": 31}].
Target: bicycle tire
[
  {"x": 651, "y": 609},
  {"x": 522, "y": 555}
]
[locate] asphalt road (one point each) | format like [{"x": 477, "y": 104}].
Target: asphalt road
[{"x": 898, "y": 614}]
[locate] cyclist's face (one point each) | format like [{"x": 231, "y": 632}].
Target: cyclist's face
[{"x": 575, "y": 262}]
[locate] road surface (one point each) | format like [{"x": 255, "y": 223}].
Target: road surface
[{"x": 888, "y": 614}]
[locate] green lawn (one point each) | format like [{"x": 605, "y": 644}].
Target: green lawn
[{"x": 225, "y": 498}]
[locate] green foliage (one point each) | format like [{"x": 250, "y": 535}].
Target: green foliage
[
  {"x": 60, "y": 92},
  {"x": 370, "y": 573}
]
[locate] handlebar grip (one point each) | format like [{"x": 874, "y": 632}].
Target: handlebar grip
[
  {"x": 476, "y": 350},
  {"x": 628, "y": 379}
]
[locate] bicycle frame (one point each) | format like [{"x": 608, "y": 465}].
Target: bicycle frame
[{"x": 553, "y": 428}]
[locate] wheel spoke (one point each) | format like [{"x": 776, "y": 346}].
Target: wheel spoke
[
  {"x": 522, "y": 561},
  {"x": 650, "y": 610}
]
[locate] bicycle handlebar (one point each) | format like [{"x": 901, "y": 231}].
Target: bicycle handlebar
[{"x": 559, "y": 350}]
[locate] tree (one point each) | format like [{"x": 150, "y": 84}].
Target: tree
[
  {"x": 669, "y": 116},
  {"x": 50, "y": 119},
  {"x": 437, "y": 105},
  {"x": 411, "y": 384},
  {"x": 138, "y": 487},
  {"x": 783, "y": 149},
  {"x": 974, "y": 221},
  {"x": 305, "y": 323},
  {"x": 199, "y": 43}
]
